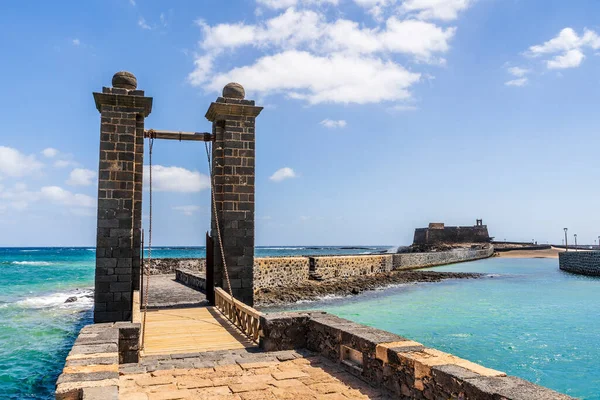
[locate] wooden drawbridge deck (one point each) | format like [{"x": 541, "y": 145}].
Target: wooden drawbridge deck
[
  {"x": 179, "y": 320},
  {"x": 191, "y": 330}
]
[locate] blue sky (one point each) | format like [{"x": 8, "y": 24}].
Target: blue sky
[{"x": 380, "y": 115}]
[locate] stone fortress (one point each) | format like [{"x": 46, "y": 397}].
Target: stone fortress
[{"x": 438, "y": 233}]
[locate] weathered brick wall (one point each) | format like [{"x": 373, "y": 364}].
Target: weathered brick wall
[
  {"x": 342, "y": 266},
  {"x": 408, "y": 369},
  {"x": 120, "y": 172},
  {"x": 420, "y": 260},
  {"x": 233, "y": 163},
  {"x": 280, "y": 271},
  {"x": 580, "y": 262}
]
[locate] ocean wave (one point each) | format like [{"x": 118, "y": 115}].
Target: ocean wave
[
  {"x": 85, "y": 299},
  {"x": 29, "y": 251},
  {"x": 282, "y": 248},
  {"x": 36, "y": 263},
  {"x": 91, "y": 249}
]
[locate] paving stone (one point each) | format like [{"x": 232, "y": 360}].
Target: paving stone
[
  {"x": 193, "y": 382},
  {"x": 248, "y": 387},
  {"x": 260, "y": 364},
  {"x": 155, "y": 380},
  {"x": 100, "y": 393}
]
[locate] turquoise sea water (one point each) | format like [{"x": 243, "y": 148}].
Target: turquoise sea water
[
  {"x": 37, "y": 327},
  {"x": 527, "y": 318}
]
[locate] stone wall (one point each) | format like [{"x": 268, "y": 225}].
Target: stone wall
[
  {"x": 270, "y": 272},
  {"x": 342, "y": 266},
  {"x": 194, "y": 279},
  {"x": 432, "y": 259},
  {"x": 92, "y": 366},
  {"x": 169, "y": 265},
  {"x": 408, "y": 369},
  {"x": 580, "y": 262}
]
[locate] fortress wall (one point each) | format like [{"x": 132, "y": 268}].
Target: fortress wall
[
  {"x": 270, "y": 272},
  {"x": 452, "y": 234},
  {"x": 420, "y": 260},
  {"x": 342, "y": 266},
  {"x": 580, "y": 262}
]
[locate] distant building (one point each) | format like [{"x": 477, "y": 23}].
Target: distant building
[{"x": 438, "y": 233}]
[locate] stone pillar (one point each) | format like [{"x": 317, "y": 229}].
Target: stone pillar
[
  {"x": 233, "y": 121},
  {"x": 122, "y": 110}
]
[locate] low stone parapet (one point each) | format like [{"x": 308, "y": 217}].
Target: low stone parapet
[
  {"x": 580, "y": 262},
  {"x": 92, "y": 366},
  {"x": 195, "y": 280},
  {"x": 159, "y": 266},
  {"x": 407, "y": 368}
]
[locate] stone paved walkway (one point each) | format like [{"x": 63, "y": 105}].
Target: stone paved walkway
[
  {"x": 280, "y": 375},
  {"x": 165, "y": 291}
]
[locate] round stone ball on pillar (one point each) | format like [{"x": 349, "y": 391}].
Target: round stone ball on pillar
[
  {"x": 124, "y": 80},
  {"x": 234, "y": 90}
]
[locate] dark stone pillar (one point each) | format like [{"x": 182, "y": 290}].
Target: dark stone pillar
[
  {"x": 122, "y": 110},
  {"x": 233, "y": 121}
]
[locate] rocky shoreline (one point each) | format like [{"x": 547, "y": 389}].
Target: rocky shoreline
[{"x": 314, "y": 290}]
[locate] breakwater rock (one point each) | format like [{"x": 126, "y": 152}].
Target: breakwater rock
[{"x": 347, "y": 286}]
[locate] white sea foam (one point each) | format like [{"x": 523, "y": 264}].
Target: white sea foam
[
  {"x": 283, "y": 248},
  {"x": 91, "y": 249},
  {"x": 84, "y": 300},
  {"x": 38, "y": 263},
  {"x": 28, "y": 251}
]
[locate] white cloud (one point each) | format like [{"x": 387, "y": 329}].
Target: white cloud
[
  {"x": 571, "y": 59},
  {"x": 517, "y": 82},
  {"x": 65, "y": 163},
  {"x": 519, "y": 74},
  {"x": 17, "y": 198},
  {"x": 279, "y": 4},
  {"x": 282, "y": 174},
  {"x": 50, "y": 152},
  {"x": 142, "y": 23},
  {"x": 336, "y": 79},
  {"x": 61, "y": 196},
  {"x": 445, "y": 10},
  {"x": 76, "y": 42},
  {"x": 187, "y": 210},
  {"x": 175, "y": 179},
  {"x": 305, "y": 56},
  {"x": 567, "y": 48},
  {"x": 328, "y": 123},
  {"x": 81, "y": 177},
  {"x": 13, "y": 163}
]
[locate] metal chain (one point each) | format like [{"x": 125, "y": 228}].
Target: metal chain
[
  {"x": 147, "y": 268},
  {"x": 214, "y": 202}
]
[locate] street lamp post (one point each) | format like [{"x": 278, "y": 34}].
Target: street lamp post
[
  {"x": 575, "y": 241},
  {"x": 566, "y": 243}
]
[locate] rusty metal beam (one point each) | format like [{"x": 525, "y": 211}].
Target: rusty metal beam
[{"x": 179, "y": 135}]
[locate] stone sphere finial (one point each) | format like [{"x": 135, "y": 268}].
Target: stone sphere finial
[
  {"x": 124, "y": 80},
  {"x": 234, "y": 91}
]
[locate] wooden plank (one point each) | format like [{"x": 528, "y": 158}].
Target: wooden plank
[
  {"x": 179, "y": 135},
  {"x": 190, "y": 330}
]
